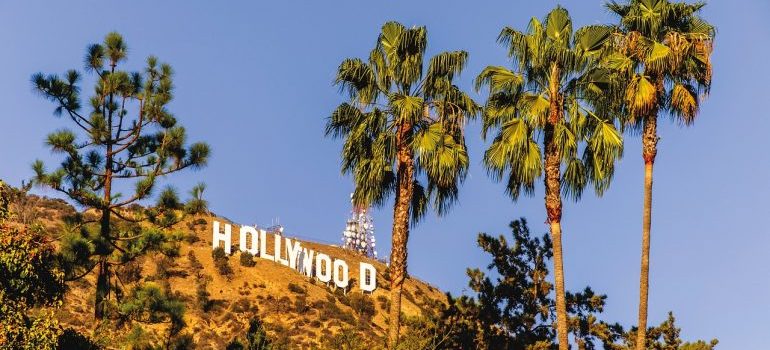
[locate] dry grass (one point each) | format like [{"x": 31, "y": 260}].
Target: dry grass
[{"x": 295, "y": 309}]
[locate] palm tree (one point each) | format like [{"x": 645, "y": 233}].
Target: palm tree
[
  {"x": 664, "y": 54},
  {"x": 555, "y": 97},
  {"x": 403, "y": 135}
]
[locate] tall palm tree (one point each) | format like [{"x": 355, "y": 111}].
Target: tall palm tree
[
  {"x": 664, "y": 54},
  {"x": 551, "y": 115},
  {"x": 403, "y": 135}
]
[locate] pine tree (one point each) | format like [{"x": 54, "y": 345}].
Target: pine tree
[{"x": 124, "y": 133}]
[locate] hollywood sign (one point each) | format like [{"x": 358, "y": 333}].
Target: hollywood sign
[{"x": 290, "y": 253}]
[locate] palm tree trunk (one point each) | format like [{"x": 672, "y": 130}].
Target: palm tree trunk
[
  {"x": 400, "y": 235},
  {"x": 552, "y": 163},
  {"x": 553, "y": 207},
  {"x": 649, "y": 151}
]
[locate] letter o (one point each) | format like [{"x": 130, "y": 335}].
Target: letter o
[
  {"x": 323, "y": 268},
  {"x": 341, "y": 279}
]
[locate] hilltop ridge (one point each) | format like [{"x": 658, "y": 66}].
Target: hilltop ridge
[{"x": 297, "y": 311}]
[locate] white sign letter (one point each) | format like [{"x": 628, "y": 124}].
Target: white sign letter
[
  {"x": 368, "y": 277},
  {"x": 245, "y": 231},
  {"x": 306, "y": 263},
  {"x": 277, "y": 251},
  {"x": 263, "y": 246},
  {"x": 222, "y": 237},
  {"x": 292, "y": 252},
  {"x": 341, "y": 279},
  {"x": 323, "y": 267}
]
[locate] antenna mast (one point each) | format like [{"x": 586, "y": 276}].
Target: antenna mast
[{"x": 359, "y": 232}]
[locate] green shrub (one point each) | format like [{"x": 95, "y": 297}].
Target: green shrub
[
  {"x": 218, "y": 253},
  {"x": 296, "y": 289},
  {"x": 247, "y": 259},
  {"x": 131, "y": 271},
  {"x": 300, "y": 305},
  {"x": 384, "y": 302},
  {"x": 163, "y": 267},
  {"x": 202, "y": 295},
  {"x": 199, "y": 221},
  {"x": 195, "y": 264},
  {"x": 221, "y": 263},
  {"x": 362, "y": 305},
  {"x": 151, "y": 304},
  {"x": 408, "y": 296},
  {"x": 72, "y": 340},
  {"x": 191, "y": 238},
  {"x": 182, "y": 342},
  {"x": 331, "y": 311},
  {"x": 256, "y": 338}
]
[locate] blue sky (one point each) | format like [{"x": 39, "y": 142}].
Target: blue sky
[{"x": 254, "y": 80}]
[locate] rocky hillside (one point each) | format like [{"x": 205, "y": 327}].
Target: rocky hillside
[{"x": 297, "y": 311}]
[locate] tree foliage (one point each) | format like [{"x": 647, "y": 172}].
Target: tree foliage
[
  {"x": 256, "y": 338},
  {"x": 663, "y": 52},
  {"x": 513, "y": 307},
  {"x": 403, "y": 134},
  {"x": 393, "y": 88},
  {"x": 556, "y": 75},
  {"x": 31, "y": 287},
  {"x": 124, "y": 132},
  {"x": 149, "y": 303}
]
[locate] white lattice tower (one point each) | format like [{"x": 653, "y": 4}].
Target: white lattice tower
[{"x": 359, "y": 233}]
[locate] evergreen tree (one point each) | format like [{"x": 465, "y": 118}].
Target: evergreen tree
[
  {"x": 513, "y": 307},
  {"x": 123, "y": 132},
  {"x": 516, "y": 309}
]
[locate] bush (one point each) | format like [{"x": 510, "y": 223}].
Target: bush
[
  {"x": 347, "y": 339},
  {"x": 150, "y": 304},
  {"x": 247, "y": 259},
  {"x": 28, "y": 280},
  {"x": 163, "y": 267},
  {"x": 224, "y": 268},
  {"x": 300, "y": 305},
  {"x": 182, "y": 342},
  {"x": 256, "y": 338},
  {"x": 240, "y": 306},
  {"x": 195, "y": 264},
  {"x": 202, "y": 295},
  {"x": 235, "y": 345},
  {"x": 362, "y": 305},
  {"x": 331, "y": 311},
  {"x": 72, "y": 340},
  {"x": 191, "y": 238},
  {"x": 384, "y": 302},
  {"x": 199, "y": 221},
  {"x": 296, "y": 289},
  {"x": 131, "y": 271},
  {"x": 408, "y": 296},
  {"x": 218, "y": 253},
  {"x": 221, "y": 263}
]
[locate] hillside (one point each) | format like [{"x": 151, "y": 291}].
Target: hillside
[{"x": 296, "y": 311}]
